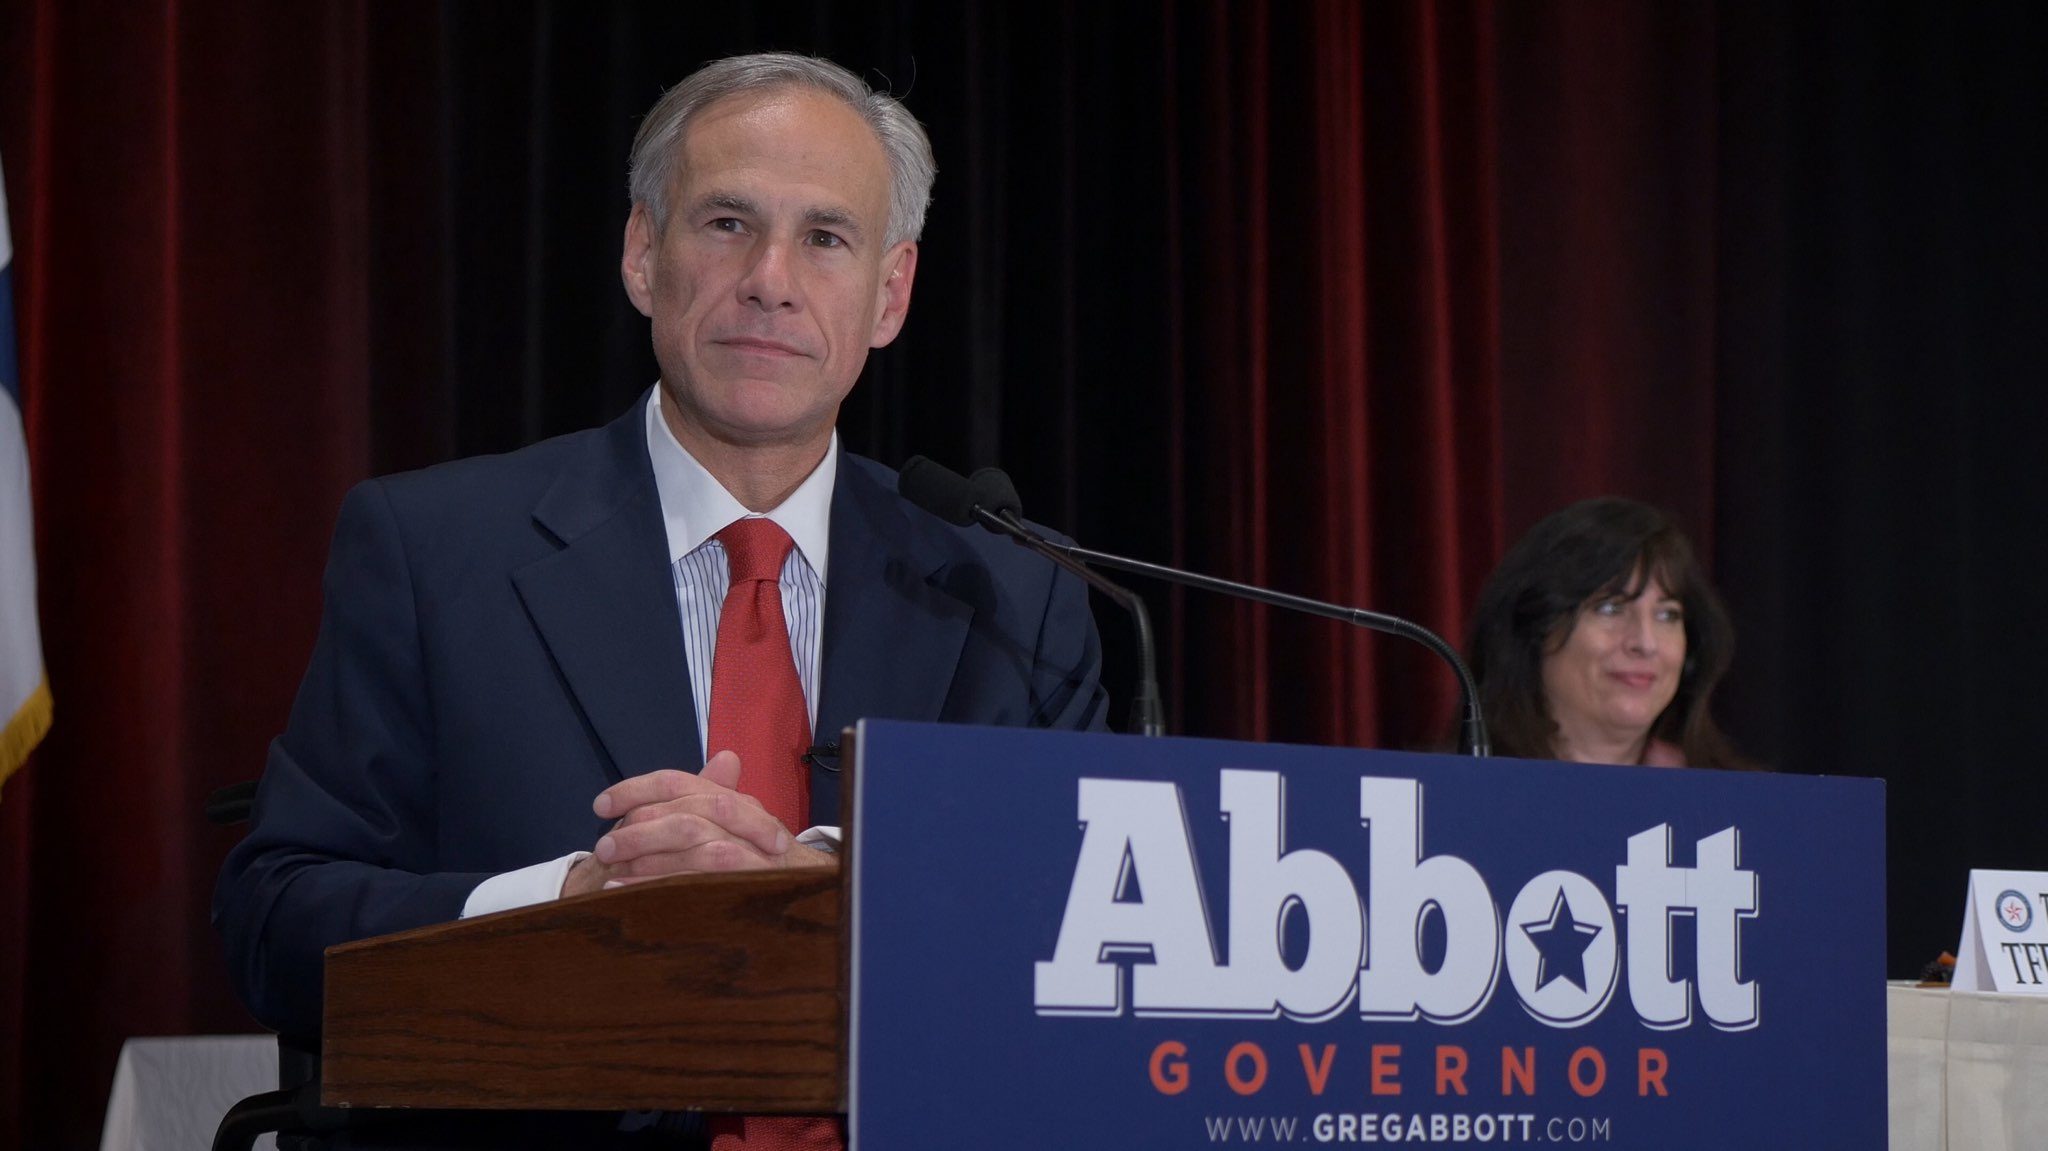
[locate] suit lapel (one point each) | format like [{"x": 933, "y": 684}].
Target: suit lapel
[
  {"x": 605, "y": 604},
  {"x": 892, "y": 638}
]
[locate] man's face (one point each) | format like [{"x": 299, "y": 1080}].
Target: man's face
[{"x": 771, "y": 280}]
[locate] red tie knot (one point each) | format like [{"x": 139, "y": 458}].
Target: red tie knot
[{"x": 755, "y": 549}]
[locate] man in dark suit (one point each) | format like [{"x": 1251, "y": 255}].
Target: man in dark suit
[{"x": 513, "y": 688}]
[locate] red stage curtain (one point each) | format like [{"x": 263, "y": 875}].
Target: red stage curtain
[
  {"x": 1338, "y": 343},
  {"x": 187, "y": 192},
  {"x": 1358, "y": 266}
]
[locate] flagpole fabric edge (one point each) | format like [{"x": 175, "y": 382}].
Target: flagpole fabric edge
[{"x": 26, "y": 728}]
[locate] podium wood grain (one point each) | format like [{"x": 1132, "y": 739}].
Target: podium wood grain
[{"x": 712, "y": 992}]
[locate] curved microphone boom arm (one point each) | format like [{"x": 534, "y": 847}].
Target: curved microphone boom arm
[{"x": 1472, "y": 735}]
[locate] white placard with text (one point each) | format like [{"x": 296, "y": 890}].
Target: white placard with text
[{"x": 2005, "y": 934}]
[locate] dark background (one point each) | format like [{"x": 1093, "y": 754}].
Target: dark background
[{"x": 1338, "y": 298}]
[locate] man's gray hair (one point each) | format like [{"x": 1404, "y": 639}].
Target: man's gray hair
[{"x": 658, "y": 146}]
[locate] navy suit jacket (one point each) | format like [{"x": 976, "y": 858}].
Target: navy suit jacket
[{"x": 500, "y": 642}]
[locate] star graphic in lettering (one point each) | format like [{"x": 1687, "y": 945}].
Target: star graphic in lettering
[{"x": 1561, "y": 944}]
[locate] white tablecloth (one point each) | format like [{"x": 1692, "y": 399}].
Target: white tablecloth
[
  {"x": 1968, "y": 1071},
  {"x": 170, "y": 1093}
]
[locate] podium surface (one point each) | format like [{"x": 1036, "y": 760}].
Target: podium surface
[
  {"x": 1180, "y": 942},
  {"x": 714, "y": 992}
]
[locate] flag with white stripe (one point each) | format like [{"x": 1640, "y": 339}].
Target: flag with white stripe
[{"x": 24, "y": 690}]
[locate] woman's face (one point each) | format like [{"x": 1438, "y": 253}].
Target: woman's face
[{"x": 1616, "y": 671}]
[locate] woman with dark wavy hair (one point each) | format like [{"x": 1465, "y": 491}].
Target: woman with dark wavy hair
[{"x": 1599, "y": 640}]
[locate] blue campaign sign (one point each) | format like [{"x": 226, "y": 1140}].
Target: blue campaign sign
[{"x": 1087, "y": 941}]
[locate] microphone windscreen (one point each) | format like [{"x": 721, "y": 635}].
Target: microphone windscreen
[
  {"x": 937, "y": 489},
  {"x": 991, "y": 488}
]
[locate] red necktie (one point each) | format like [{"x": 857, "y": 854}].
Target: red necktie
[
  {"x": 757, "y": 710},
  {"x": 757, "y": 702}
]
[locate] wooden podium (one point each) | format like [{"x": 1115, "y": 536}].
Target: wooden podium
[
  {"x": 721, "y": 993},
  {"x": 924, "y": 988}
]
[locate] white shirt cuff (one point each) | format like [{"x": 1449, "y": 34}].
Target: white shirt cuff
[
  {"x": 522, "y": 888},
  {"x": 821, "y": 838}
]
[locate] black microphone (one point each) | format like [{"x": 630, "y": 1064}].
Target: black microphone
[
  {"x": 991, "y": 489},
  {"x": 991, "y": 500}
]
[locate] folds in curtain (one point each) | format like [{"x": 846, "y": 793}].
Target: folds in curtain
[
  {"x": 1340, "y": 374},
  {"x": 193, "y": 269}
]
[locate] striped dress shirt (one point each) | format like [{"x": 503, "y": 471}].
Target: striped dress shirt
[
  {"x": 701, "y": 579},
  {"x": 695, "y": 507}
]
